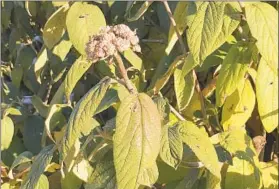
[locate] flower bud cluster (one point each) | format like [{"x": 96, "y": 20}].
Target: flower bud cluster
[{"x": 110, "y": 40}]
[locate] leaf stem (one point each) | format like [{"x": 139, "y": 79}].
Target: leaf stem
[
  {"x": 197, "y": 86},
  {"x": 123, "y": 73}
]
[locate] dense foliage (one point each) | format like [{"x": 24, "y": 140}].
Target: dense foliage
[{"x": 127, "y": 95}]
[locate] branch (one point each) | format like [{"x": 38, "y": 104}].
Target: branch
[
  {"x": 123, "y": 73},
  {"x": 201, "y": 97}
]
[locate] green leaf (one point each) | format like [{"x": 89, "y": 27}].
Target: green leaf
[
  {"x": 76, "y": 71},
  {"x": 7, "y": 132},
  {"x": 55, "y": 26},
  {"x": 38, "y": 167},
  {"x": 269, "y": 174},
  {"x": 80, "y": 121},
  {"x": 24, "y": 157},
  {"x": 32, "y": 133},
  {"x": 40, "y": 63},
  {"x": 103, "y": 176},
  {"x": 83, "y": 24},
  {"x": 190, "y": 178},
  {"x": 184, "y": 83},
  {"x": 238, "y": 107},
  {"x": 242, "y": 174},
  {"x": 17, "y": 74},
  {"x": 55, "y": 118},
  {"x": 136, "y": 142},
  {"x": 263, "y": 24},
  {"x": 237, "y": 141},
  {"x": 140, "y": 11},
  {"x": 267, "y": 96},
  {"x": 149, "y": 175},
  {"x": 163, "y": 107},
  {"x": 42, "y": 183},
  {"x": 83, "y": 170},
  {"x": 134, "y": 59},
  {"x": 179, "y": 16},
  {"x": 201, "y": 145},
  {"x": 9, "y": 155},
  {"x": 40, "y": 106},
  {"x": 233, "y": 70},
  {"x": 161, "y": 80},
  {"x": 70, "y": 181},
  {"x": 171, "y": 146},
  {"x": 60, "y": 50},
  {"x": 32, "y": 8},
  {"x": 210, "y": 24}
]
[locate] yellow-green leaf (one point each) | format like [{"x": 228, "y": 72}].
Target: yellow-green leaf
[
  {"x": 171, "y": 146},
  {"x": 269, "y": 174},
  {"x": 7, "y": 132},
  {"x": 242, "y": 174},
  {"x": 81, "y": 122},
  {"x": 83, "y": 20},
  {"x": 136, "y": 142},
  {"x": 199, "y": 142},
  {"x": 140, "y": 11},
  {"x": 76, "y": 71},
  {"x": 40, "y": 106},
  {"x": 184, "y": 82},
  {"x": 38, "y": 167},
  {"x": 54, "y": 28},
  {"x": 267, "y": 96},
  {"x": 210, "y": 24},
  {"x": 238, "y": 107},
  {"x": 134, "y": 59},
  {"x": 179, "y": 16},
  {"x": 262, "y": 19},
  {"x": 233, "y": 70},
  {"x": 24, "y": 157}
]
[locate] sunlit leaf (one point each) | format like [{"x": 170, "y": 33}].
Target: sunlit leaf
[
  {"x": 238, "y": 107},
  {"x": 136, "y": 141},
  {"x": 263, "y": 24},
  {"x": 83, "y": 24},
  {"x": 200, "y": 144},
  {"x": 267, "y": 96},
  {"x": 210, "y": 24},
  {"x": 7, "y": 132}
]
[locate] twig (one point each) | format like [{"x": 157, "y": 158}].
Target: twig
[
  {"x": 177, "y": 114},
  {"x": 153, "y": 41},
  {"x": 123, "y": 73},
  {"x": 201, "y": 97}
]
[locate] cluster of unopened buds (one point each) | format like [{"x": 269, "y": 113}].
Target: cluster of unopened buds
[{"x": 110, "y": 40}]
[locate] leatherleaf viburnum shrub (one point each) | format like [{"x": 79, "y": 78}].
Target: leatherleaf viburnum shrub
[{"x": 139, "y": 95}]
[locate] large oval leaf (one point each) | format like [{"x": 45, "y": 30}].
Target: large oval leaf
[
  {"x": 238, "y": 107},
  {"x": 136, "y": 140},
  {"x": 200, "y": 144},
  {"x": 242, "y": 174},
  {"x": 81, "y": 122},
  {"x": 267, "y": 96},
  {"x": 233, "y": 70},
  {"x": 7, "y": 132},
  {"x": 262, "y": 19},
  {"x": 210, "y": 24},
  {"x": 54, "y": 28},
  {"x": 83, "y": 20}
]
